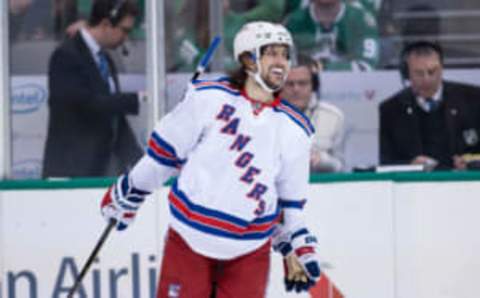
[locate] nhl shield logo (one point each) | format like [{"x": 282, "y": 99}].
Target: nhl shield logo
[
  {"x": 174, "y": 290},
  {"x": 470, "y": 137}
]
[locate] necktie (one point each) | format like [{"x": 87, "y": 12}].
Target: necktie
[
  {"x": 431, "y": 103},
  {"x": 105, "y": 73},
  {"x": 103, "y": 65}
]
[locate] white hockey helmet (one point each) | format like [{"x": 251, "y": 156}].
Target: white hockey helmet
[{"x": 255, "y": 35}]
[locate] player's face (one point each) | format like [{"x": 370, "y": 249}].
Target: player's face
[
  {"x": 425, "y": 72},
  {"x": 298, "y": 87},
  {"x": 275, "y": 65},
  {"x": 119, "y": 33}
]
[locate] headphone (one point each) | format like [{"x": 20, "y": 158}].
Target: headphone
[
  {"x": 413, "y": 47},
  {"x": 114, "y": 13},
  {"x": 315, "y": 81},
  {"x": 113, "y": 17}
]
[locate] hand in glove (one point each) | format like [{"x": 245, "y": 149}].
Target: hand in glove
[
  {"x": 301, "y": 264},
  {"x": 121, "y": 202}
]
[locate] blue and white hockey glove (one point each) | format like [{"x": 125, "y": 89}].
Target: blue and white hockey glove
[
  {"x": 121, "y": 202},
  {"x": 301, "y": 264}
]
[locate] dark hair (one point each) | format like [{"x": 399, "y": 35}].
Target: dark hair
[
  {"x": 422, "y": 47},
  {"x": 113, "y": 10},
  {"x": 312, "y": 65},
  {"x": 238, "y": 76}
]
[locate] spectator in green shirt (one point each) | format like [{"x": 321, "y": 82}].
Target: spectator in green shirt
[
  {"x": 338, "y": 34},
  {"x": 190, "y": 42}
]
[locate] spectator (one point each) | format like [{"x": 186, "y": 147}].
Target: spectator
[
  {"x": 431, "y": 122},
  {"x": 87, "y": 123},
  {"x": 340, "y": 35},
  {"x": 373, "y": 6},
  {"x": 193, "y": 36},
  {"x": 17, "y": 10},
  {"x": 265, "y": 10},
  {"x": 302, "y": 90},
  {"x": 40, "y": 20},
  {"x": 230, "y": 144},
  {"x": 65, "y": 12},
  {"x": 30, "y": 20},
  {"x": 70, "y": 18},
  {"x": 293, "y": 5},
  {"x": 17, "y": 7},
  {"x": 188, "y": 23}
]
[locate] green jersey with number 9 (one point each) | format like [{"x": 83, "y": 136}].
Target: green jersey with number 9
[{"x": 352, "y": 42}]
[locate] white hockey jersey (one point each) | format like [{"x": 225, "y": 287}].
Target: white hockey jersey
[{"x": 238, "y": 163}]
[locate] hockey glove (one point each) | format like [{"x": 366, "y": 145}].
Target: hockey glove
[
  {"x": 295, "y": 277},
  {"x": 121, "y": 202},
  {"x": 301, "y": 265}
]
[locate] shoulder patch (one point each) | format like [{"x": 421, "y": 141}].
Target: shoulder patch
[
  {"x": 296, "y": 115},
  {"x": 220, "y": 84}
]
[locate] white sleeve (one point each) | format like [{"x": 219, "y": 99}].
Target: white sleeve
[
  {"x": 169, "y": 144},
  {"x": 292, "y": 182},
  {"x": 148, "y": 175}
]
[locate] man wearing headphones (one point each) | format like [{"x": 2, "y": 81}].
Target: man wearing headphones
[
  {"x": 88, "y": 134},
  {"x": 432, "y": 122},
  {"x": 302, "y": 89}
]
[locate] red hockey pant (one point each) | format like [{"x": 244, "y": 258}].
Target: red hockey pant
[{"x": 186, "y": 274}]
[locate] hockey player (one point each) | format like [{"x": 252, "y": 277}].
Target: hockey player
[{"x": 241, "y": 157}]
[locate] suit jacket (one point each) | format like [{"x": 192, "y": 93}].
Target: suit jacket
[
  {"x": 87, "y": 125},
  {"x": 400, "y": 139}
]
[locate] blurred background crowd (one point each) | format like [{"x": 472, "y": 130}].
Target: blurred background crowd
[
  {"x": 370, "y": 32},
  {"x": 363, "y": 37}
]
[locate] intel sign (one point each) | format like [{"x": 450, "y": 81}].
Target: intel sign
[
  {"x": 27, "y": 169},
  {"x": 28, "y": 98}
]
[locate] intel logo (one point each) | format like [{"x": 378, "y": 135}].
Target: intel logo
[
  {"x": 28, "y": 98},
  {"x": 27, "y": 169}
]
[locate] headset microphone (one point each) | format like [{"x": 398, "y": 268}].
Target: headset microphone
[{"x": 124, "y": 50}]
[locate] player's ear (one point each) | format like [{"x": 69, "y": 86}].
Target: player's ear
[{"x": 248, "y": 61}]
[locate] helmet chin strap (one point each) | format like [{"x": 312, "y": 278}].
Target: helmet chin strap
[{"x": 258, "y": 78}]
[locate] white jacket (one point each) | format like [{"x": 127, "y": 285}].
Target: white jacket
[{"x": 327, "y": 145}]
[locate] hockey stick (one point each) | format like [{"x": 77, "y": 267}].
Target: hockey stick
[
  {"x": 92, "y": 257},
  {"x": 202, "y": 65}
]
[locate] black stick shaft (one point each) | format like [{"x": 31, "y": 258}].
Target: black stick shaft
[{"x": 92, "y": 257}]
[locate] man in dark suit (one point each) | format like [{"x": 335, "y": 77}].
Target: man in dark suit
[
  {"x": 432, "y": 122},
  {"x": 88, "y": 133}
]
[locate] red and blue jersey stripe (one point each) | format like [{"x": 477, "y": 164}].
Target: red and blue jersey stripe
[
  {"x": 219, "y": 223},
  {"x": 296, "y": 115},
  {"x": 161, "y": 151},
  {"x": 220, "y": 84}
]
